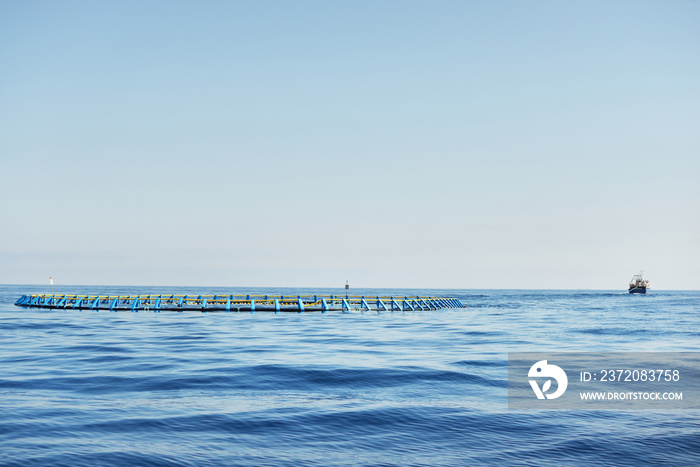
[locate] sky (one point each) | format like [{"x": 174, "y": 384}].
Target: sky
[{"x": 448, "y": 144}]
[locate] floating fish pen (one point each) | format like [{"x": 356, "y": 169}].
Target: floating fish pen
[{"x": 233, "y": 303}]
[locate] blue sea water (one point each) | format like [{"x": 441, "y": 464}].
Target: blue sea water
[{"x": 424, "y": 388}]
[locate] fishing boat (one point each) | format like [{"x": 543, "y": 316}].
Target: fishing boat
[{"x": 638, "y": 284}]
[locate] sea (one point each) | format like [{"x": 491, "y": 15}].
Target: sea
[{"x": 411, "y": 388}]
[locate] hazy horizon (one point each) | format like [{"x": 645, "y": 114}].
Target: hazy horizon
[{"x": 340, "y": 288}]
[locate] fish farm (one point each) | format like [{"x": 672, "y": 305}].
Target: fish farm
[{"x": 237, "y": 303}]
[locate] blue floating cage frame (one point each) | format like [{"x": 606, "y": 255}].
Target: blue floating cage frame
[{"x": 237, "y": 303}]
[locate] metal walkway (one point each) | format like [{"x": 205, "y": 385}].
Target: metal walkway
[{"x": 229, "y": 303}]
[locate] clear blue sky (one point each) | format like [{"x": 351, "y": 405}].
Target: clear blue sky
[{"x": 503, "y": 144}]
